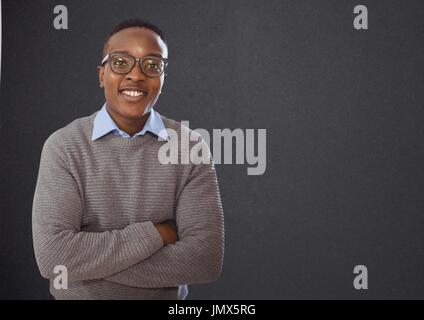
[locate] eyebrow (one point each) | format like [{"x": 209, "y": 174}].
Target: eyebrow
[{"x": 150, "y": 54}]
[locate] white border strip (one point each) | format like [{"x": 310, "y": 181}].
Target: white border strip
[{"x": 0, "y": 41}]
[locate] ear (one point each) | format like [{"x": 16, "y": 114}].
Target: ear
[{"x": 101, "y": 72}]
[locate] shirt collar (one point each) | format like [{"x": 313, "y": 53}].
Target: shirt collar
[{"x": 103, "y": 124}]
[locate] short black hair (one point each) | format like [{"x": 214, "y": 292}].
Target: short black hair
[{"x": 134, "y": 23}]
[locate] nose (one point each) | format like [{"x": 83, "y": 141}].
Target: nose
[{"x": 136, "y": 74}]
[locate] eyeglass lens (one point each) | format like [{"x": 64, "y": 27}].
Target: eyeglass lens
[{"x": 151, "y": 66}]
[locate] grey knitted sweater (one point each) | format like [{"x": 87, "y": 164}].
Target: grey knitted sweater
[{"x": 94, "y": 210}]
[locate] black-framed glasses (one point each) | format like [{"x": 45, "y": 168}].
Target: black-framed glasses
[{"x": 122, "y": 63}]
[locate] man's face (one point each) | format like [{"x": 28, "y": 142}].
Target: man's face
[{"x": 138, "y": 42}]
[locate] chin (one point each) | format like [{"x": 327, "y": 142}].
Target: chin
[{"x": 133, "y": 112}]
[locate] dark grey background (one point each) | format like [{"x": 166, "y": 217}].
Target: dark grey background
[{"x": 343, "y": 111}]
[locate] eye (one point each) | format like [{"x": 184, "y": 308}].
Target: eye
[
  {"x": 152, "y": 65},
  {"x": 120, "y": 61}
]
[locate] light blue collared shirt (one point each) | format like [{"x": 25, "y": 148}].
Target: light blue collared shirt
[{"x": 103, "y": 124}]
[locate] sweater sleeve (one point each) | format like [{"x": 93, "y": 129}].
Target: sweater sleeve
[
  {"x": 56, "y": 225},
  {"x": 198, "y": 255}
]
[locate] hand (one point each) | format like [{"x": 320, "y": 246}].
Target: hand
[{"x": 168, "y": 231}]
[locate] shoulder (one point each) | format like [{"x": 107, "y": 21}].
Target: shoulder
[{"x": 77, "y": 131}]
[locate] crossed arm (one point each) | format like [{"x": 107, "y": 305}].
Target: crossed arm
[
  {"x": 141, "y": 254},
  {"x": 198, "y": 254}
]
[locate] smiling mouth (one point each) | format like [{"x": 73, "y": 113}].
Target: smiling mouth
[
  {"x": 132, "y": 96},
  {"x": 133, "y": 93}
]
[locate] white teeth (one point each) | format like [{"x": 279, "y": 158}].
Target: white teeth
[{"x": 133, "y": 93}]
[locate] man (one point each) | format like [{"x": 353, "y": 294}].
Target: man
[{"x": 125, "y": 225}]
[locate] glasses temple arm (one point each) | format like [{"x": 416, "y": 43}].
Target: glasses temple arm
[{"x": 105, "y": 59}]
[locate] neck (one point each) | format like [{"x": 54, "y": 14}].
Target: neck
[{"x": 129, "y": 125}]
